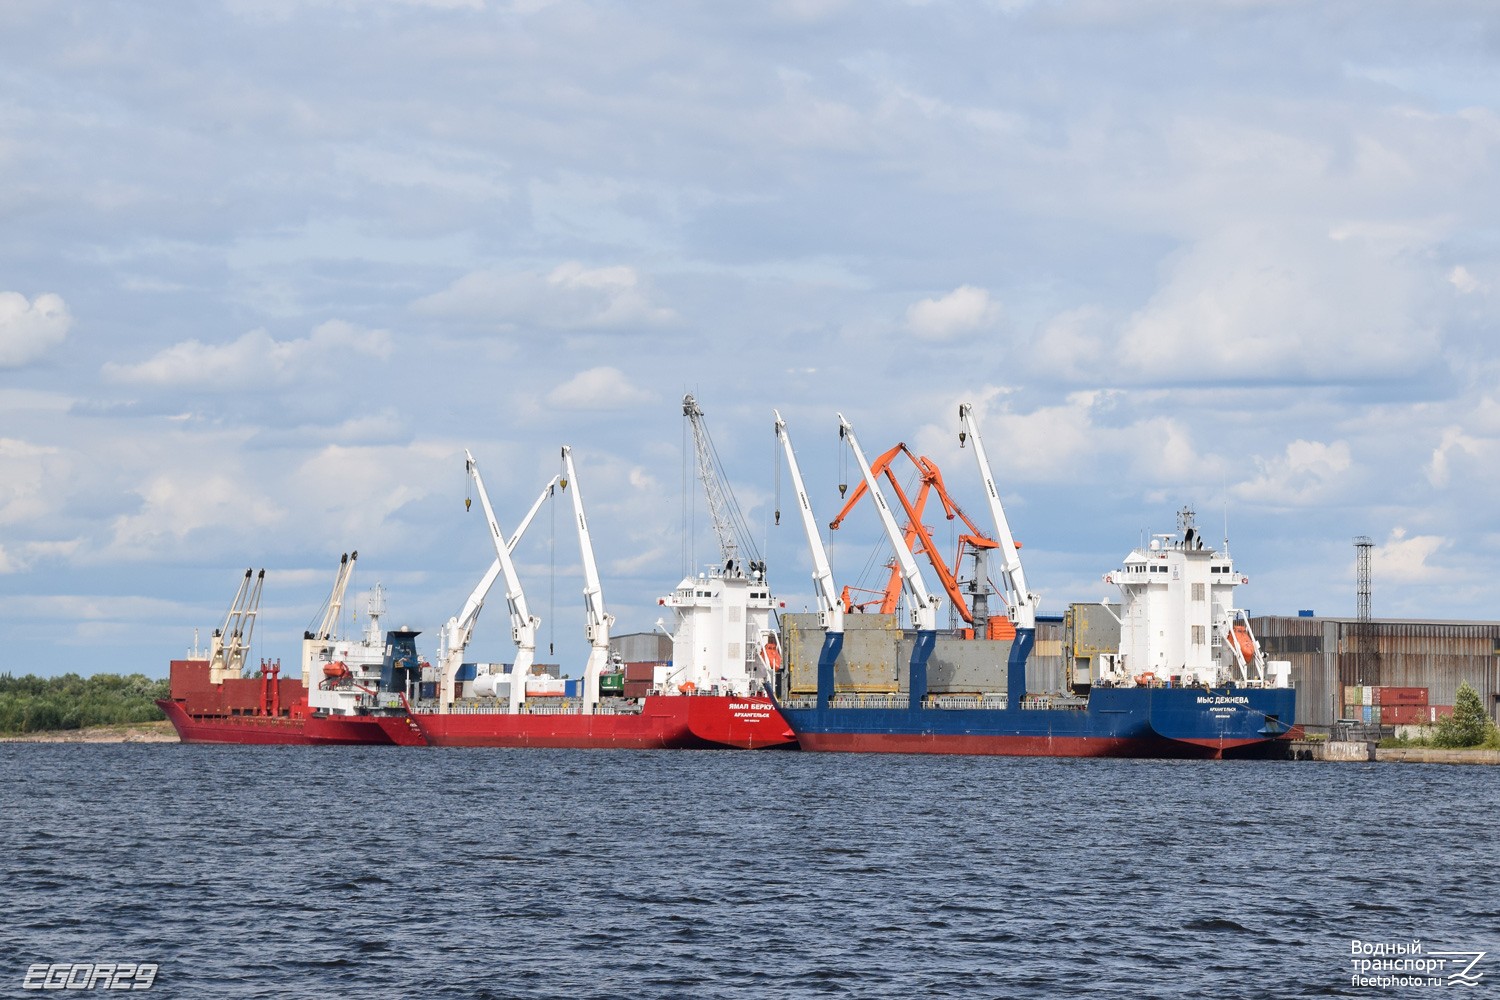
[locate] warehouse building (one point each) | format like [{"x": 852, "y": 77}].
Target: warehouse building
[{"x": 1331, "y": 656}]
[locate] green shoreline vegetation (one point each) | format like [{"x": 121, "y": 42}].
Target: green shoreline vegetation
[
  {"x": 32, "y": 704},
  {"x": 1469, "y": 727}
]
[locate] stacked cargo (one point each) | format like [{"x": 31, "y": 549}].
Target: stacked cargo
[
  {"x": 639, "y": 678},
  {"x": 1391, "y": 706}
]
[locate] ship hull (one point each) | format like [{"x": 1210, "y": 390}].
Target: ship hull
[
  {"x": 1118, "y": 722},
  {"x": 686, "y": 722},
  {"x": 364, "y": 730}
]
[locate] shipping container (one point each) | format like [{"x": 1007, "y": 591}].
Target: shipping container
[
  {"x": 1402, "y": 695},
  {"x": 1367, "y": 710},
  {"x": 637, "y": 689},
  {"x": 612, "y": 684},
  {"x": 428, "y": 690},
  {"x": 640, "y": 671},
  {"x": 1405, "y": 715},
  {"x": 1353, "y": 695},
  {"x": 641, "y": 647}
]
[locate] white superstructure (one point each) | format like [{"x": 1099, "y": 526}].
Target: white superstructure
[
  {"x": 722, "y": 621},
  {"x": 1178, "y": 621},
  {"x": 343, "y": 673}
]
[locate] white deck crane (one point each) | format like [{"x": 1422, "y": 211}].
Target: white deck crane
[
  {"x": 328, "y": 629},
  {"x": 231, "y": 641},
  {"x": 923, "y": 604},
  {"x": 457, "y": 631},
  {"x": 523, "y": 624},
  {"x": 599, "y": 620},
  {"x": 830, "y": 608},
  {"x": 1022, "y": 602}
]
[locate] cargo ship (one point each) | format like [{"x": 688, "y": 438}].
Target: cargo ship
[
  {"x": 712, "y": 694},
  {"x": 350, "y": 691},
  {"x": 1186, "y": 677}
]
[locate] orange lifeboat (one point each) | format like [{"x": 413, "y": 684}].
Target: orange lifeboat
[{"x": 1240, "y": 636}]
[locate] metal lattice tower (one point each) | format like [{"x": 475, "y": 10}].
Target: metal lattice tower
[{"x": 1365, "y": 633}]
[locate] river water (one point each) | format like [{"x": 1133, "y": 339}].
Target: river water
[{"x": 425, "y": 872}]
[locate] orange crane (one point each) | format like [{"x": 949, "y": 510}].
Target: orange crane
[{"x": 919, "y": 540}]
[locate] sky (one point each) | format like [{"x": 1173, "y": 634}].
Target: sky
[{"x": 267, "y": 268}]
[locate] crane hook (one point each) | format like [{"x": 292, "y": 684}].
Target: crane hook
[
  {"x": 467, "y": 504},
  {"x": 962, "y": 435},
  {"x": 778, "y": 518},
  {"x": 843, "y": 488}
]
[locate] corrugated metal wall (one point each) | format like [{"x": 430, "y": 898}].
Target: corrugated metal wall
[
  {"x": 641, "y": 647},
  {"x": 1044, "y": 670},
  {"x": 1433, "y": 655}
]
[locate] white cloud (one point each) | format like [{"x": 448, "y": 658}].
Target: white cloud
[
  {"x": 602, "y": 388},
  {"x": 1306, "y": 472},
  {"x": 966, "y": 309},
  {"x": 1404, "y": 559},
  {"x": 1454, "y": 439},
  {"x": 1461, "y": 279},
  {"x": 254, "y": 357},
  {"x": 28, "y": 329},
  {"x": 1253, "y": 302},
  {"x": 353, "y": 490},
  {"x": 175, "y": 504},
  {"x": 24, "y": 471},
  {"x": 570, "y": 297}
]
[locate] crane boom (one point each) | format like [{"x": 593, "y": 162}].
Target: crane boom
[
  {"x": 330, "y": 625},
  {"x": 459, "y": 629},
  {"x": 729, "y": 528},
  {"x": 829, "y": 604},
  {"x": 830, "y": 607},
  {"x": 924, "y": 605},
  {"x": 523, "y": 624},
  {"x": 1022, "y": 602},
  {"x": 598, "y": 619}
]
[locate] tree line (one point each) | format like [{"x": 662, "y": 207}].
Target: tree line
[{"x": 30, "y": 704}]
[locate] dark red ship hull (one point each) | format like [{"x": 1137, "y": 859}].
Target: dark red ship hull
[
  {"x": 679, "y": 722},
  {"x": 309, "y": 730}
]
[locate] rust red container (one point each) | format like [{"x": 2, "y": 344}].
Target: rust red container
[
  {"x": 640, "y": 672},
  {"x": 1400, "y": 696}
]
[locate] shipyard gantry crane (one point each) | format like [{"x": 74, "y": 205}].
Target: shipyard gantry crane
[
  {"x": 923, "y": 605},
  {"x": 918, "y": 538}
]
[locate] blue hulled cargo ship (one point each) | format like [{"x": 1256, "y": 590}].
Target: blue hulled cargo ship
[{"x": 1184, "y": 677}]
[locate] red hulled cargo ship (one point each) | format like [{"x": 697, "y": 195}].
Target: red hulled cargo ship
[
  {"x": 350, "y": 691},
  {"x": 724, "y": 655}
]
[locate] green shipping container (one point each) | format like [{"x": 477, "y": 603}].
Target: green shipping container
[{"x": 612, "y": 684}]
